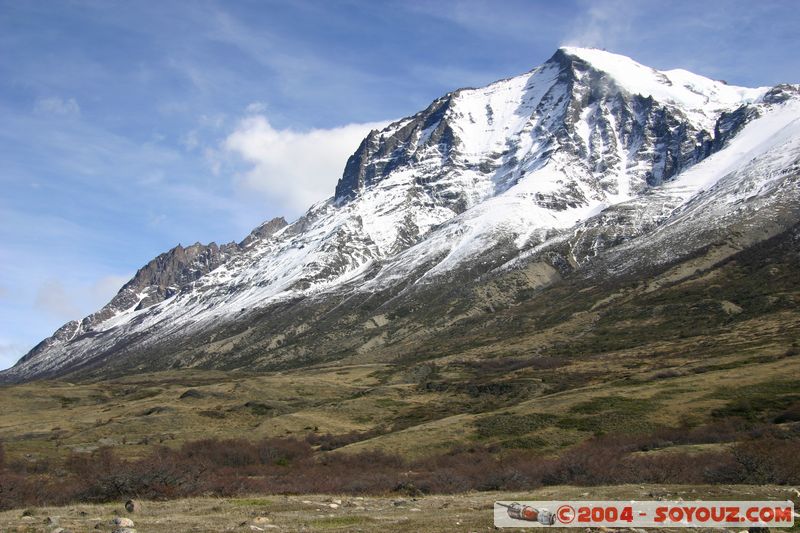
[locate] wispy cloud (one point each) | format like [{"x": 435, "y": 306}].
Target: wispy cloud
[
  {"x": 55, "y": 105},
  {"x": 291, "y": 167},
  {"x": 511, "y": 19},
  {"x": 71, "y": 302},
  {"x": 52, "y": 298},
  {"x": 256, "y": 107},
  {"x": 11, "y": 351},
  {"x": 603, "y": 24}
]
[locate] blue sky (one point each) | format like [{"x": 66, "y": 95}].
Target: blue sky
[{"x": 129, "y": 127}]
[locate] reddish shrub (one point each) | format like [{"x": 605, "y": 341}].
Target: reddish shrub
[
  {"x": 283, "y": 451},
  {"x": 229, "y": 452},
  {"x": 327, "y": 441},
  {"x": 768, "y": 460},
  {"x": 236, "y": 466}
]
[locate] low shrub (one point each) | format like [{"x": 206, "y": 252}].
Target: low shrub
[{"x": 234, "y": 467}]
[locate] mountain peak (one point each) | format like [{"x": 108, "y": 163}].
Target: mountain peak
[
  {"x": 265, "y": 230},
  {"x": 590, "y": 53},
  {"x": 697, "y": 95}
]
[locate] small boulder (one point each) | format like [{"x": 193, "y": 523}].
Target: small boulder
[
  {"x": 261, "y": 520},
  {"x": 132, "y": 506},
  {"x": 191, "y": 394},
  {"x": 122, "y": 522},
  {"x": 51, "y": 520}
]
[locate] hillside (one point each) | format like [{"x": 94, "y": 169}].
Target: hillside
[{"x": 704, "y": 341}]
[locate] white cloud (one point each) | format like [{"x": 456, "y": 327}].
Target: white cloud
[
  {"x": 291, "y": 167},
  {"x": 10, "y": 352},
  {"x": 190, "y": 141},
  {"x": 256, "y": 107},
  {"x": 72, "y": 302},
  {"x": 156, "y": 219},
  {"x": 101, "y": 291},
  {"x": 52, "y": 298},
  {"x": 603, "y": 24},
  {"x": 57, "y": 106}
]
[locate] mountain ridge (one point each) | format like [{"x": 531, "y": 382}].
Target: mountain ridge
[{"x": 482, "y": 180}]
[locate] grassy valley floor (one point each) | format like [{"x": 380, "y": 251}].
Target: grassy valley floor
[{"x": 309, "y": 513}]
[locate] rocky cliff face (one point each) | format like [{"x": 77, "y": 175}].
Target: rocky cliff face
[
  {"x": 608, "y": 124},
  {"x": 584, "y": 157}
]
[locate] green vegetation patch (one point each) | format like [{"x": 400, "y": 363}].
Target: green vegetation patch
[
  {"x": 758, "y": 401},
  {"x": 335, "y": 522},
  {"x": 251, "y": 502},
  {"x": 212, "y": 414},
  {"x": 506, "y": 424},
  {"x": 610, "y": 414},
  {"x": 770, "y": 388},
  {"x": 136, "y": 393},
  {"x": 389, "y": 402},
  {"x": 258, "y": 408},
  {"x": 525, "y": 443},
  {"x": 67, "y": 401},
  {"x": 603, "y": 404},
  {"x": 757, "y": 408},
  {"x": 612, "y": 422}
]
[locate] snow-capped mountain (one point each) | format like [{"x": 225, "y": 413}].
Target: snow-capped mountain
[{"x": 590, "y": 160}]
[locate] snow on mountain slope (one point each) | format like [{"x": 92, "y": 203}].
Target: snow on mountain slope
[
  {"x": 699, "y": 97},
  {"x": 768, "y": 144},
  {"x": 590, "y": 148},
  {"x": 778, "y": 125}
]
